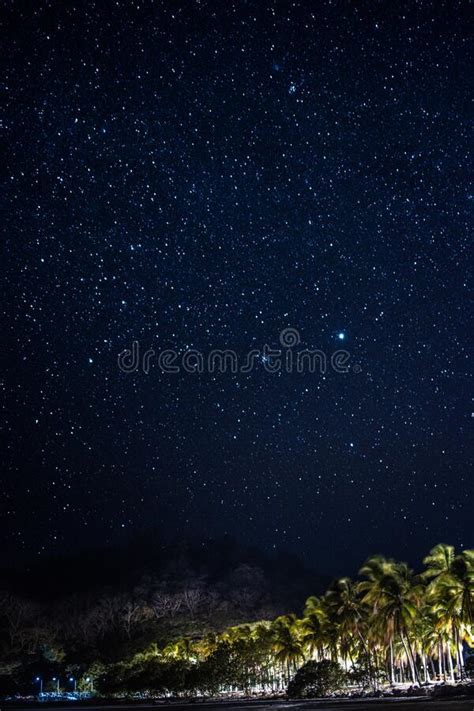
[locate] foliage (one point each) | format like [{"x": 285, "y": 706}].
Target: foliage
[{"x": 316, "y": 679}]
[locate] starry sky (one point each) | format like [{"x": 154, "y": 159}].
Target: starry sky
[{"x": 202, "y": 175}]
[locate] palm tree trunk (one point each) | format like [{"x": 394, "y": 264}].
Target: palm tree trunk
[
  {"x": 425, "y": 668},
  {"x": 409, "y": 659},
  {"x": 442, "y": 673},
  {"x": 460, "y": 654},
  {"x": 392, "y": 671},
  {"x": 450, "y": 662},
  {"x": 415, "y": 668},
  {"x": 433, "y": 670},
  {"x": 367, "y": 652}
]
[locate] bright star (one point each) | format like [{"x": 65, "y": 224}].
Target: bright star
[{"x": 341, "y": 336}]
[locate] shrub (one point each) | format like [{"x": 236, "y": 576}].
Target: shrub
[{"x": 317, "y": 679}]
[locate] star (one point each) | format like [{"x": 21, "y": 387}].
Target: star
[{"x": 205, "y": 203}]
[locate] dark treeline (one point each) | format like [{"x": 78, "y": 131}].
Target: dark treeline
[{"x": 215, "y": 619}]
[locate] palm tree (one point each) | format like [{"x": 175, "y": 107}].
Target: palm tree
[
  {"x": 314, "y": 627},
  {"x": 439, "y": 561},
  {"x": 451, "y": 593},
  {"x": 349, "y": 616},
  {"x": 394, "y": 595},
  {"x": 376, "y": 569},
  {"x": 262, "y": 635},
  {"x": 287, "y": 646},
  {"x": 313, "y": 635}
]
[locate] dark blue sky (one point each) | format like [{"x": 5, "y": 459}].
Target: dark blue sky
[{"x": 204, "y": 175}]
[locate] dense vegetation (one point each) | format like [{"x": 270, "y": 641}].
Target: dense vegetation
[{"x": 390, "y": 626}]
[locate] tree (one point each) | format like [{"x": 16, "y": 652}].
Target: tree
[
  {"x": 439, "y": 561},
  {"x": 165, "y": 604},
  {"x": 287, "y": 646},
  {"x": 451, "y": 594},
  {"x": 349, "y": 615},
  {"x": 394, "y": 593}
]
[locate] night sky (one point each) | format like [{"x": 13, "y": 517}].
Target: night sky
[{"x": 203, "y": 175}]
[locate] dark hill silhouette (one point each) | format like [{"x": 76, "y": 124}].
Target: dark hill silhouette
[{"x": 121, "y": 568}]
